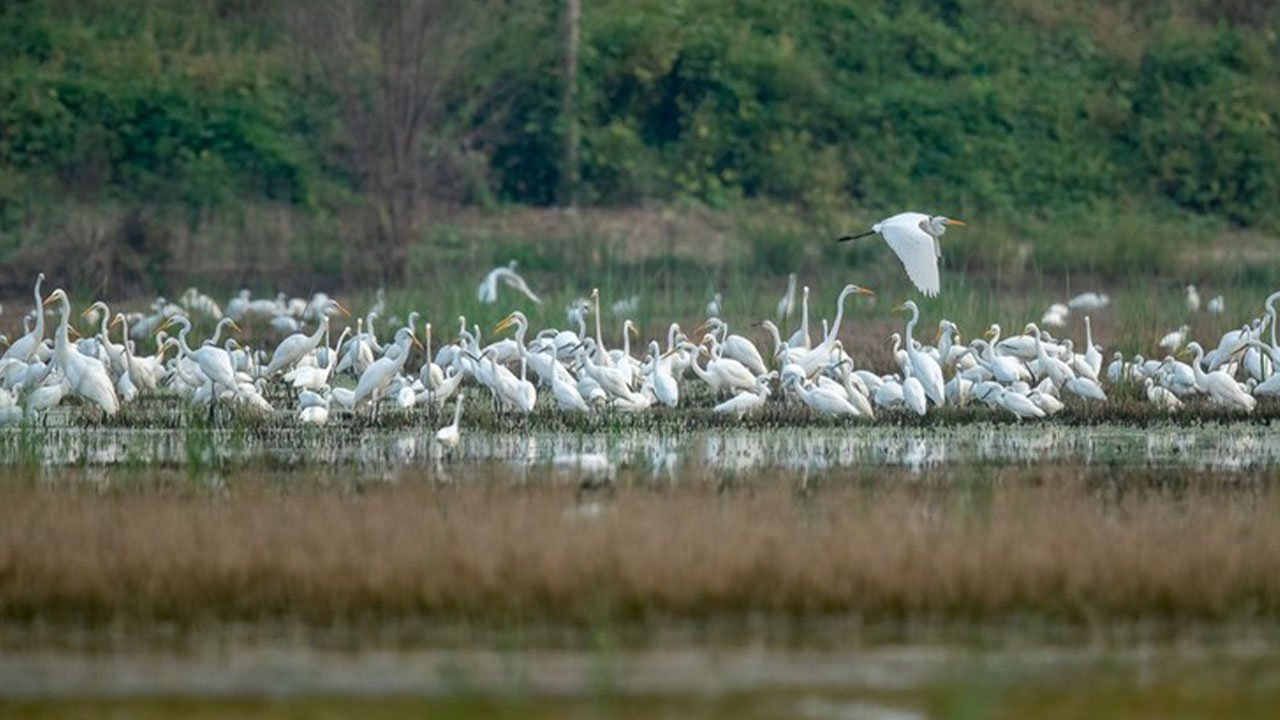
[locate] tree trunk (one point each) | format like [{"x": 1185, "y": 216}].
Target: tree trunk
[{"x": 568, "y": 110}]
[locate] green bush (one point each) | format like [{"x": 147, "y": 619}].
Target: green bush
[{"x": 1023, "y": 112}]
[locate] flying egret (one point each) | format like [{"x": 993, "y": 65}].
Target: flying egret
[
  {"x": 913, "y": 237},
  {"x": 488, "y": 291},
  {"x": 1089, "y": 301}
]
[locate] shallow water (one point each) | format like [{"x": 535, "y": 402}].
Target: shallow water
[
  {"x": 663, "y": 453},
  {"x": 1235, "y": 679}
]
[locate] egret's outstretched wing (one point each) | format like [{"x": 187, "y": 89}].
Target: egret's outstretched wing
[
  {"x": 918, "y": 252},
  {"x": 518, "y": 284}
]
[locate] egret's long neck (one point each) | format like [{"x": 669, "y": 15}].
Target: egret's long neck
[
  {"x": 698, "y": 370},
  {"x": 319, "y": 333},
  {"x": 777, "y": 338},
  {"x": 457, "y": 411},
  {"x": 601, "y": 352},
  {"x": 910, "y": 338},
  {"x": 1197, "y": 369},
  {"x": 124, "y": 336},
  {"x": 1040, "y": 353},
  {"x": 102, "y": 326},
  {"x": 63, "y": 340},
  {"x": 217, "y": 331},
  {"x": 804, "y": 312},
  {"x": 1088, "y": 332},
  {"x": 835, "y": 326},
  {"x": 39, "y": 329},
  {"x": 182, "y": 340}
]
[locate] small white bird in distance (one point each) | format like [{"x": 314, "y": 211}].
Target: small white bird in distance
[
  {"x": 1055, "y": 316},
  {"x": 1089, "y": 301},
  {"x": 1216, "y": 306},
  {"x": 913, "y": 237},
  {"x": 488, "y": 290},
  {"x": 787, "y": 304},
  {"x": 1175, "y": 339},
  {"x": 1193, "y": 299}
]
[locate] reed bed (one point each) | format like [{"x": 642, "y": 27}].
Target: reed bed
[{"x": 1051, "y": 543}]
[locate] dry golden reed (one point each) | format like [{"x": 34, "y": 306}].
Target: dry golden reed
[{"x": 1065, "y": 551}]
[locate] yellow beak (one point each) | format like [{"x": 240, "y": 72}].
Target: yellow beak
[
  {"x": 341, "y": 309},
  {"x": 862, "y": 291},
  {"x": 955, "y": 222},
  {"x": 503, "y": 324},
  {"x": 234, "y": 326}
]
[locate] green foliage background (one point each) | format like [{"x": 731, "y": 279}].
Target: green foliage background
[{"x": 1027, "y": 110}]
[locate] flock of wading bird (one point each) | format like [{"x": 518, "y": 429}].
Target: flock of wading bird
[{"x": 1028, "y": 374}]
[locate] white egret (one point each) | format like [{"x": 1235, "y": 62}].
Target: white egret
[
  {"x": 914, "y": 395},
  {"x": 316, "y": 377},
  {"x": 914, "y": 237},
  {"x": 1089, "y": 301},
  {"x": 24, "y": 348},
  {"x": 1193, "y": 299},
  {"x": 665, "y": 387},
  {"x": 923, "y": 367},
  {"x": 821, "y": 400},
  {"x": 736, "y": 347},
  {"x": 748, "y": 401},
  {"x": 800, "y": 338},
  {"x": 214, "y": 362},
  {"x": 1219, "y": 386},
  {"x": 1092, "y": 355},
  {"x": 295, "y": 347},
  {"x": 787, "y": 304},
  {"x": 86, "y": 376},
  {"x": 1162, "y": 397},
  {"x": 1020, "y": 405},
  {"x": 1174, "y": 340},
  {"x": 376, "y": 378},
  {"x": 449, "y": 435}
]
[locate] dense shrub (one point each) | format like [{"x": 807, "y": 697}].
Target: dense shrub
[{"x": 1030, "y": 108}]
